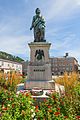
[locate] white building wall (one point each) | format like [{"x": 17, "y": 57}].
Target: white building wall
[{"x": 7, "y": 65}]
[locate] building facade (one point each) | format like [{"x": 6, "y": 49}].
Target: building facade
[
  {"x": 7, "y": 65},
  {"x": 59, "y": 65}
]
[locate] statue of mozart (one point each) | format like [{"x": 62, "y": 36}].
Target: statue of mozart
[{"x": 38, "y": 24}]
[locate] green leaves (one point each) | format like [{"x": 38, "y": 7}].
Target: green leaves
[
  {"x": 21, "y": 107},
  {"x": 15, "y": 107}
]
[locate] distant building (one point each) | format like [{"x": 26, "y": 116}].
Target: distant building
[
  {"x": 7, "y": 65},
  {"x": 59, "y": 65}
]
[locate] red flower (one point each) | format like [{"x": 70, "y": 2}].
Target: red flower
[
  {"x": 50, "y": 111},
  {"x": 78, "y": 117},
  {"x": 13, "y": 105},
  {"x": 45, "y": 100},
  {"x": 4, "y": 108},
  {"x": 11, "y": 98},
  {"x": 57, "y": 113},
  {"x": 62, "y": 103},
  {"x": 27, "y": 95},
  {"x": 37, "y": 110},
  {"x": 58, "y": 108},
  {"x": 36, "y": 106},
  {"x": 65, "y": 117},
  {"x": 49, "y": 106},
  {"x": 34, "y": 98},
  {"x": 53, "y": 97}
]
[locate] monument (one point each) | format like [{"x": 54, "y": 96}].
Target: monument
[{"x": 39, "y": 68}]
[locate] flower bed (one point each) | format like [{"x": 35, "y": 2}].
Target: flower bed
[
  {"x": 13, "y": 107},
  {"x": 21, "y": 106}
]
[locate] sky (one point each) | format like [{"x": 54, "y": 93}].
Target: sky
[{"x": 62, "y": 30}]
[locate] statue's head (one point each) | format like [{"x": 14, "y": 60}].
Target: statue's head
[{"x": 37, "y": 11}]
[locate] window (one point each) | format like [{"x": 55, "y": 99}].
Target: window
[
  {"x": 71, "y": 64},
  {"x": 12, "y": 65},
  {"x": 56, "y": 69},
  {"x": 8, "y": 65},
  {"x": 2, "y": 63},
  {"x": 16, "y": 66},
  {"x": 70, "y": 68},
  {"x": 55, "y": 64},
  {"x": 67, "y": 69},
  {"x": 20, "y": 67}
]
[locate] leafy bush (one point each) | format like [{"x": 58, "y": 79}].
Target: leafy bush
[
  {"x": 21, "y": 107},
  {"x": 15, "y": 107},
  {"x": 57, "y": 108}
]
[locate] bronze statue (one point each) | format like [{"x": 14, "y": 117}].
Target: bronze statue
[{"x": 38, "y": 24}]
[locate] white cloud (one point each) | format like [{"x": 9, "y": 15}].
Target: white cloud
[
  {"x": 61, "y": 9},
  {"x": 15, "y": 45},
  {"x": 70, "y": 43},
  {"x": 78, "y": 2},
  {"x": 51, "y": 32},
  {"x": 12, "y": 36},
  {"x": 64, "y": 43}
]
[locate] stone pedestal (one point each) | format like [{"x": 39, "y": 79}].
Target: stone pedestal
[
  {"x": 39, "y": 72},
  {"x": 39, "y": 46},
  {"x": 39, "y": 68}
]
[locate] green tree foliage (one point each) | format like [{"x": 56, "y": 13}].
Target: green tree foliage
[{"x": 4, "y": 55}]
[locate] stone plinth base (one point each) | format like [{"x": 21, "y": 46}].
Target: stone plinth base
[
  {"x": 29, "y": 84},
  {"x": 39, "y": 69}
]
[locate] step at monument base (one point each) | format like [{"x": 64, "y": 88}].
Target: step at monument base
[{"x": 43, "y": 84}]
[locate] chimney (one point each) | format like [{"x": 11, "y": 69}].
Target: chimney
[{"x": 66, "y": 55}]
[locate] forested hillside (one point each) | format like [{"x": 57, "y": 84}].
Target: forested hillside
[{"x": 4, "y": 55}]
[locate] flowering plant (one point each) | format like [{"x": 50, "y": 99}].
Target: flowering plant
[{"x": 15, "y": 107}]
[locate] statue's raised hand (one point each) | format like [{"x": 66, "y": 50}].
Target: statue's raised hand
[{"x": 30, "y": 28}]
